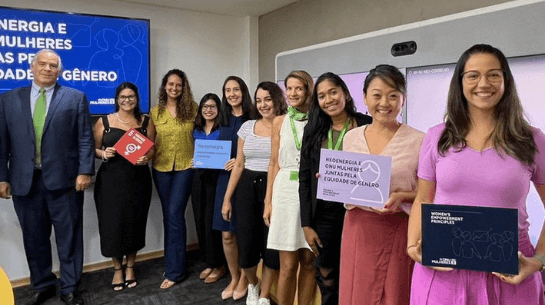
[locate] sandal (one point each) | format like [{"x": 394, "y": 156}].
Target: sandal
[
  {"x": 132, "y": 282},
  {"x": 166, "y": 284},
  {"x": 118, "y": 286}
]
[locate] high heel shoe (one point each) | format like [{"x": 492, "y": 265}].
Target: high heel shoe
[
  {"x": 226, "y": 294},
  {"x": 237, "y": 295},
  {"x": 132, "y": 282},
  {"x": 118, "y": 286}
]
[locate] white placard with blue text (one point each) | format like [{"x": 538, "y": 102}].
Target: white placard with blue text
[
  {"x": 354, "y": 178},
  {"x": 211, "y": 153}
]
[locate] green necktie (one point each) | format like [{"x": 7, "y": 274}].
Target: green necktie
[{"x": 39, "y": 121}]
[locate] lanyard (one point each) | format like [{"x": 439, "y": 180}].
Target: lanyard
[
  {"x": 339, "y": 139},
  {"x": 294, "y": 130}
]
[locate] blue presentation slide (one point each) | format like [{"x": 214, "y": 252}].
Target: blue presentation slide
[{"x": 98, "y": 52}]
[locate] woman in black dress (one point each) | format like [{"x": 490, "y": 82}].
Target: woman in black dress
[{"x": 122, "y": 190}]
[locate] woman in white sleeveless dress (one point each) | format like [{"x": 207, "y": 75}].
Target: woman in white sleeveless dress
[{"x": 282, "y": 200}]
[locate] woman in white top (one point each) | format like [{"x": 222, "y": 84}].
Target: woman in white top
[
  {"x": 249, "y": 178},
  {"x": 286, "y": 233}
]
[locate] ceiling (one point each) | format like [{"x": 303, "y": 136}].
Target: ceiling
[{"x": 221, "y": 7}]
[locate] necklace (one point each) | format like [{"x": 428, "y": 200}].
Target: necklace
[{"x": 120, "y": 120}]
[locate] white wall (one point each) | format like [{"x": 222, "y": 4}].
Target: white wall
[{"x": 207, "y": 47}]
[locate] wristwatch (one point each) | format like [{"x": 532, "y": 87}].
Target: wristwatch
[{"x": 542, "y": 260}]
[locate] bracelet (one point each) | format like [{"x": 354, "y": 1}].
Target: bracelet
[
  {"x": 104, "y": 156},
  {"x": 542, "y": 260}
]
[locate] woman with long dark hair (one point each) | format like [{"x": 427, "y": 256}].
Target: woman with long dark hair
[
  {"x": 374, "y": 266},
  {"x": 485, "y": 154},
  {"x": 249, "y": 178},
  {"x": 332, "y": 114},
  {"x": 204, "y": 191},
  {"x": 122, "y": 190},
  {"x": 236, "y": 108},
  {"x": 282, "y": 210},
  {"x": 173, "y": 120}
]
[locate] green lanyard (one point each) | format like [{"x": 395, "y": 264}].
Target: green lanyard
[
  {"x": 294, "y": 130},
  {"x": 339, "y": 139},
  {"x": 294, "y": 114}
]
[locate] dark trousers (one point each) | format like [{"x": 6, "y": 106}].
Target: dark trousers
[
  {"x": 174, "y": 188},
  {"x": 328, "y": 223},
  {"x": 252, "y": 232},
  {"x": 202, "y": 199},
  {"x": 39, "y": 211}
]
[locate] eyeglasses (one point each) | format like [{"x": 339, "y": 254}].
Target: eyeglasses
[
  {"x": 127, "y": 98},
  {"x": 473, "y": 77},
  {"x": 209, "y": 107}
]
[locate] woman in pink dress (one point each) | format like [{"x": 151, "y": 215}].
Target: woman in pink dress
[
  {"x": 374, "y": 266},
  {"x": 485, "y": 154}
]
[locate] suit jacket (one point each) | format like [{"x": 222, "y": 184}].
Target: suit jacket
[
  {"x": 308, "y": 183},
  {"x": 67, "y": 142}
]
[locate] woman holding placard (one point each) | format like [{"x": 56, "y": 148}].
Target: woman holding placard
[
  {"x": 249, "y": 179},
  {"x": 374, "y": 266},
  {"x": 285, "y": 232},
  {"x": 332, "y": 114},
  {"x": 122, "y": 190},
  {"x": 236, "y": 108},
  {"x": 485, "y": 154},
  {"x": 172, "y": 172},
  {"x": 204, "y": 191}
]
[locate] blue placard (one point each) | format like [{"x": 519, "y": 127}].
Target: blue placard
[
  {"x": 467, "y": 237},
  {"x": 211, "y": 153},
  {"x": 98, "y": 52}
]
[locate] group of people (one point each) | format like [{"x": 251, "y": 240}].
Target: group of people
[{"x": 262, "y": 205}]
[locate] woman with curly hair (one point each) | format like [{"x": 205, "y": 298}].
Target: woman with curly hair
[{"x": 172, "y": 173}]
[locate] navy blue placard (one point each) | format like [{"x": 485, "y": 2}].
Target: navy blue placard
[
  {"x": 467, "y": 237},
  {"x": 98, "y": 52}
]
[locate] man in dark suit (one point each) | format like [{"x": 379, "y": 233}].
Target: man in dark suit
[{"x": 46, "y": 161}]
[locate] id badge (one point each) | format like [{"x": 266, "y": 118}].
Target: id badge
[{"x": 294, "y": 175}]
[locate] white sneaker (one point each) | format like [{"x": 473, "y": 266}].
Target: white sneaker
[
  {"x": 264, "y": 301},
  {"x": 253, "y": 295}
]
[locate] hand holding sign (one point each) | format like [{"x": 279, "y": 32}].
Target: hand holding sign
[
  {"x": 133, "y": 146},
  {"x": 211, "y": 153},
  {"x": 354, "y": 178}
]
